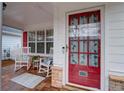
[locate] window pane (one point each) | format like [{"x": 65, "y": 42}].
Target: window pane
[
  {"x": 32, "y": 45},
  {"x": 93, "y": 60},
  {"x": 49, "y": 45},
  {"x": 40, "y": 47},
  {"x": 93, "y": 45},
  {"x": 83, "y": 20},
  {"x": 73, "y": 32},
  {"x": 74, "y": 20},
  {"x": 83, "y": 59},
  {"x": 74, "y": 46},
  {"x": 93, "y": 18},
  {"x": 83, "y": 31},
  {"x": 93, "y": 30},
  {"x": 31, "y": 36},
  {"x": 74, "y": 58},
  {"x": 40, "y": 36},
  {"x": 49, "y": 35},
  {"x": 83, "y": 46}
]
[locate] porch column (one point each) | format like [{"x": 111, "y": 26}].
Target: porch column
[{"x": 0, "y": 39}]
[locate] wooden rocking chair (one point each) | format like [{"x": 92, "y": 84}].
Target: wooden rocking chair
[
  {"x": 22, "y": 59},
  {"x": 45, "y": 66}
]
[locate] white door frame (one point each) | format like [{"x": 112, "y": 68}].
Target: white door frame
[{"x": 104, "y": 63}]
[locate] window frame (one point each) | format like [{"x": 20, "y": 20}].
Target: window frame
[{"x": 36, "y": 41}]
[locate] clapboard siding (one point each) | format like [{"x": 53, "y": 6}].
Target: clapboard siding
[
  {"x": 116, "y": 25},
  {"x": 116, "y": 41},
  {"x": 10, "y": 42},
  {"x": 116, "y": 33},
  {"x": 117, "y": 67},
  {"x": 117, "y": 16},
  {"x": 116, "y": 37},
  {"x": 114, "y": 8},
  {"x": 117, "y": 58},
  {"x": 116, "y": 50}
]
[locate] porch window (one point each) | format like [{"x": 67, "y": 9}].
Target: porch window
[
  {"x": 49, "y": 40},
  {"x": 31, "y": 41},
  {"x": 32, "y": 45},
  {"x": 40, "y": 41}
]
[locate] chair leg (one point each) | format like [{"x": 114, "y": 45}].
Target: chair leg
[
  {"x": 39, "y": 71},
  {"x": 20, "y": 65},
  {"x": 47, "y": 72},
  {"x": 15, "y": 67},
  {"x": 27, "y": 67}
]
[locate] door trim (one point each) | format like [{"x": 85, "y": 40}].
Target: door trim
[{"x": 103, "y": 63}]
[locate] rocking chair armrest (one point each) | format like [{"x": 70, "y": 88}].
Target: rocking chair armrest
[{"x": 43, "y": 64}]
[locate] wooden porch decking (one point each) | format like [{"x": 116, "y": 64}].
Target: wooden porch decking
[
  {"x": 8, "y": 85},
  {"x": 7, "y": 62},
  {"x": 116, "y": 83}
]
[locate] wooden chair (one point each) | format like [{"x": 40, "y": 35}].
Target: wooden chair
[
  {"x": 22, "y": 59},
  {"x": 45, "y": 66}
]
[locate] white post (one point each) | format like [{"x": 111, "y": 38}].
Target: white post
[{"x": 0, "y": 39}]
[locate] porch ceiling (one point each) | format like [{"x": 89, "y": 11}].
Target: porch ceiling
[
  {"x": 20, "y": 14},
  {"x": 23, "y": 14}
]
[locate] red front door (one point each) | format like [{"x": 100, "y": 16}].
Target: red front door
[{"x": 84, "y": 48}]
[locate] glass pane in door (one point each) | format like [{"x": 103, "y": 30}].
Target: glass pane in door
[
  {"x": 74, "y": 58},
  {"x": 93, "y": 60},
  {"x": 93, "y": 18},
  {"x": 73, "y": 32},
  {"x": 74, "y": 21},
  {"x": 74, "y": 46},
  {"x": 83, "y": 20},
  {"x": 93, "y": 30},
  {"x": 83, "y": 59},
  {"x": 93, "y": 45},
  {"x": 83, "y": 46}
]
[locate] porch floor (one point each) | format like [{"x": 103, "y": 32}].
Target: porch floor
[
  {"x": 7, "y": 85},
  {"x": 7, "y": 72}
]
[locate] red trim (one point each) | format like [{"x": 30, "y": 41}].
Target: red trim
[{"x": 24, "y": 39}]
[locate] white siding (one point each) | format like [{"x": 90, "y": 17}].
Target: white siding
[
  {"x": 10, "y": 41},
  {"x": 116, "y": 37}
]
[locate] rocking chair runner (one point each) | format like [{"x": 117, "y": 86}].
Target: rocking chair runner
[{"x": 45, "y": 66}]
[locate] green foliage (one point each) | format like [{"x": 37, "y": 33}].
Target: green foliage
[{"x": 35, "y": 58}]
